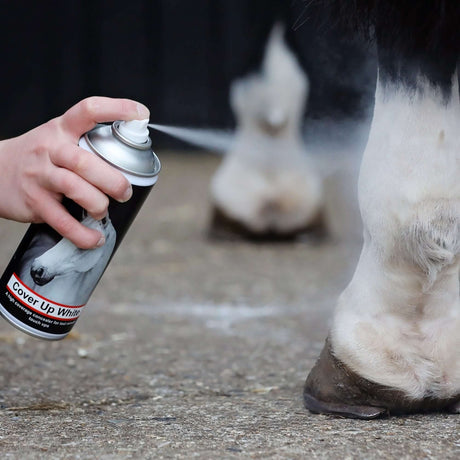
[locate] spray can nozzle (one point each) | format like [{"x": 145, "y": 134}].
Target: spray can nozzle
[{"x": 135, "y": 130}]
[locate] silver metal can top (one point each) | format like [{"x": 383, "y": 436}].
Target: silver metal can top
[{"x": 121, "y": 152}]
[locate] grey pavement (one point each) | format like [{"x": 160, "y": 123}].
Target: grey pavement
[{"x": 196, "y": 349}]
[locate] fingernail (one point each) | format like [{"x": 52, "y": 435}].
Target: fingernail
[
  {"x": 127, "y": 195},
  {"x": 101, "y": 242},
  {"x": 142, "y": 111}
]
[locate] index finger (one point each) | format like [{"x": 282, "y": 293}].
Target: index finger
[
  {"x": 84, "y": 115},
  {"x": 56, "y": 216}
]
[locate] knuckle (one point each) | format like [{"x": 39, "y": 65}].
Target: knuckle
[
  {"x": 30, "y": 199},
  {"x": 68, "y": 186},
  {"x": 90, "y": 107},
  {"x": 79, "y": 162},
  {"x": 99, "y": 208},
  {"x": 116, "y": 186},
  {"x": 40, "y": 150},
  {"x": 74, "y": 160},
  {"x": 120, "y": 185}
]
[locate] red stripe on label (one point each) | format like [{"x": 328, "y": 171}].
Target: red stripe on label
[
  {"x": 44, "y": 298},
  {"x": 50, "y": 303}
]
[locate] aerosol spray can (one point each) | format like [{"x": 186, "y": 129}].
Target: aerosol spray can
[{"x": 49, "y": 280}]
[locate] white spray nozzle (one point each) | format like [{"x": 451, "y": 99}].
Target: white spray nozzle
[{"x": 135, "y": 130}]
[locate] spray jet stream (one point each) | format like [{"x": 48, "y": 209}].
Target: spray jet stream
[{"x": 218, "y": 141}]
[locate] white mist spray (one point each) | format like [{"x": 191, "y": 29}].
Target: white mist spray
[{"x": 215, "y": 140}]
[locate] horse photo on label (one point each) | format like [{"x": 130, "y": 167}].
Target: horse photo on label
[{"x": 62, "y": 272}]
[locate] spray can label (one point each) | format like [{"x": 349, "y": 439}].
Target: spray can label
[{"x": 49, "y": 280}]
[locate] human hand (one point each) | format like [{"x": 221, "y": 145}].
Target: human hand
[{"x": 45, "y": 164}]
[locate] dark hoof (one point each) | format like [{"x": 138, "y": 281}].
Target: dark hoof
[
  {"x": 342, "y": 410},
  {"x": 454, "y": 408},
  {"x": 333, "y": 388},
  {"x": 224, "y": 228}
]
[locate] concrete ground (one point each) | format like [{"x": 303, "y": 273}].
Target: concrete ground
[{"x": 193, "y": 349}]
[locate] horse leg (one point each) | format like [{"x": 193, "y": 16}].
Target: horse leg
[{"x": 394, "y": 343}]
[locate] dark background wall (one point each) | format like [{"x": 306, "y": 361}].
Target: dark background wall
[{"x": 178, "y": 57}]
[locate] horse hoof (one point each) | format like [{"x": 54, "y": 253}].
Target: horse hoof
[
  {"x": 333, "y": 388},
  {"x": 342, "y": 410},
  {"x": 225, "y": 228},
  {"x": 454, "y": 408}
]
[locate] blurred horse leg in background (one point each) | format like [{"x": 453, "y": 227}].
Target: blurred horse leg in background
[{"x": 267, "y": 187}]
